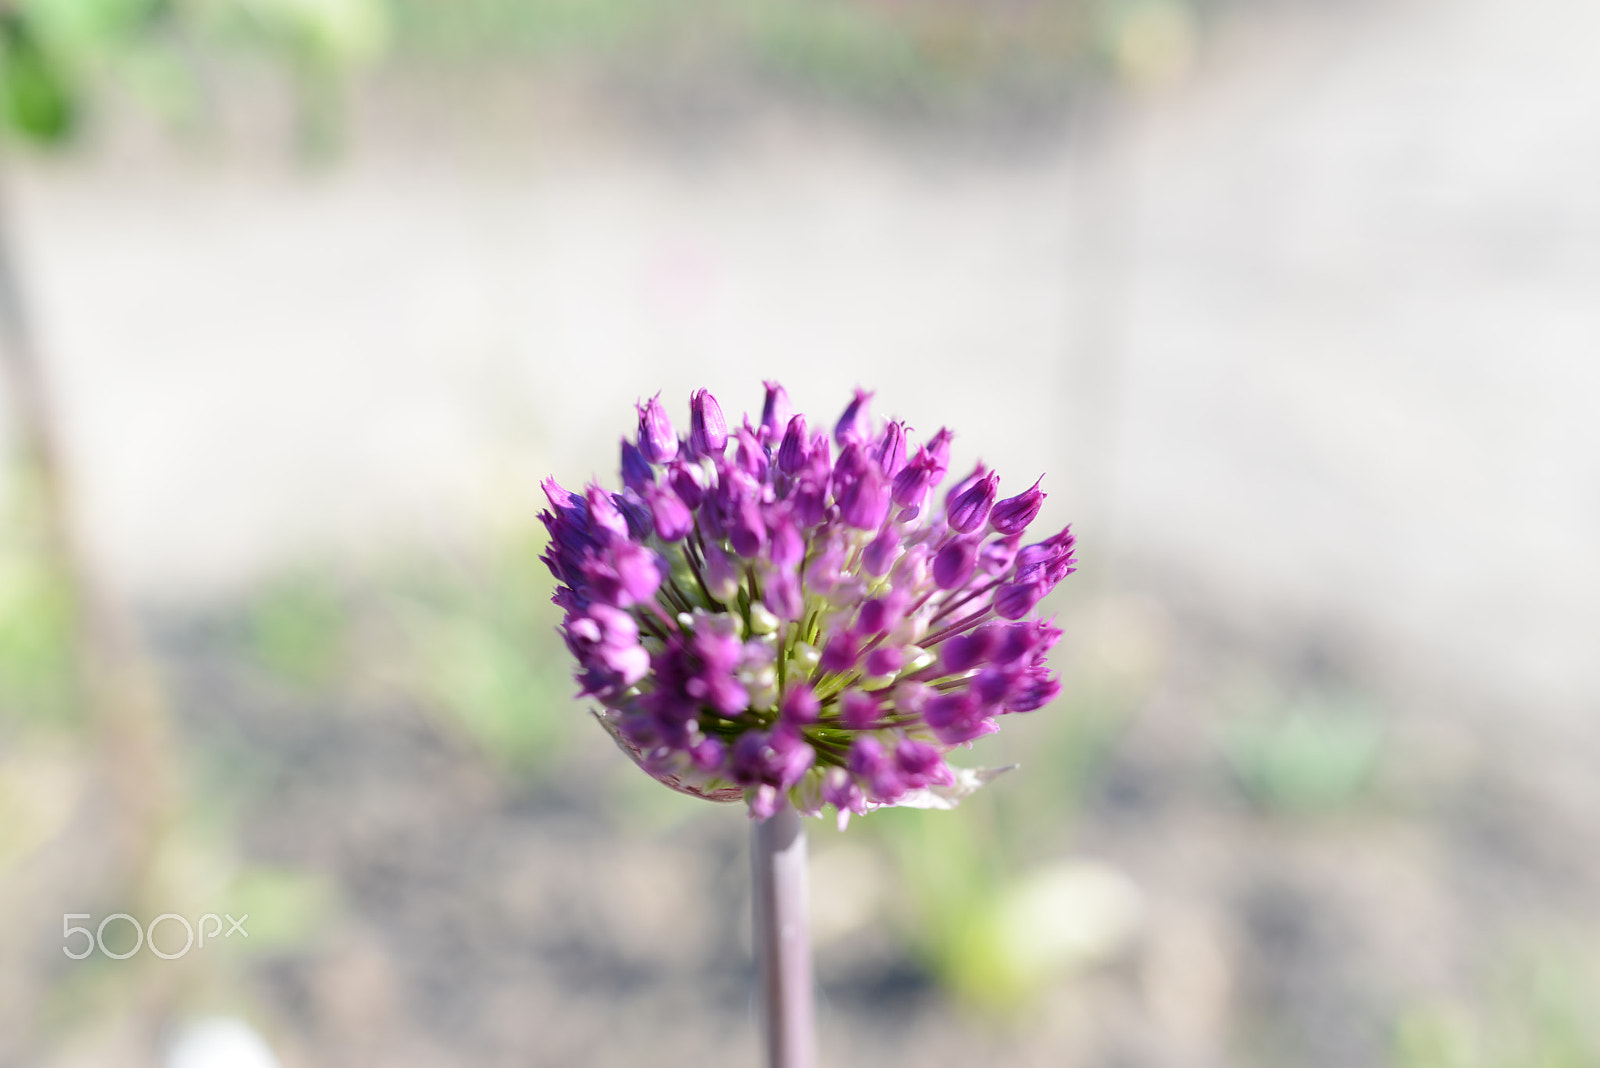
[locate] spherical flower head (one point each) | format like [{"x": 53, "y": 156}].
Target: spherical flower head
[{"x": 773, "y": 624}]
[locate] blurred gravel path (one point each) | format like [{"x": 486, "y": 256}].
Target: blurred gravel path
[{"x": 1319, "y": 330}]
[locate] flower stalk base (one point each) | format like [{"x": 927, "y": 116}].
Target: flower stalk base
[{"x": 783, "y": 939}]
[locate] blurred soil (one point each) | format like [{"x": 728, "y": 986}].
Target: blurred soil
[{"x": 576, "y": 916}]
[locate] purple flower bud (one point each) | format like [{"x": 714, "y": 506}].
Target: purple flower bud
[
  {"x": 708, "y": 520},
  {"x": 564, "y": 501},
  {"x": 1012, "y": 515},
  {"x": 869, "y": 763},
  {"x": 967, "y": 506},
  {"x": 1048, "y": 561},
  {"x": 881, "y": 552},
  {"x": 750, "y": 456},
  {"x": 921, "y": 765},
  {"x": 776, "y": 758},
  {"x": 685, "y": 480},
  {"x": 606, "y": 645},
  {"x": 787, "y": 546},
  {"x": 957, "y": 718},
  {"x": 775, "y": 411},
  {"x": 782, "y": 594},
  {"x": 751, "y": 760},
  {"x": 911, "y": 485},
  {"x": 954, "y": 564},
  {"x": 763, "y": 801},
  {"x": 708, "y": 430},
  {"x": 884, "y": 660},
  {"x": 800, "y": 704},
  {"x": 1017, "y": 599},
  {"x": 997, "y": 556},
  {"x": 852, "y": 465},
  {"x": 891, "y": 450},
  {"x": 840, "y": 790},
  {"x": 709, "y": 754},
  {"x": 1032, "y": 691},
  {"x": 881, "y": 613},
  {"x": 858, "y": 710},
  {"x": 639, "y": 571},
  {"x": 841, "y": 652},
  {"x": 672, "y": 518},
  {"x": 794, "y": 451},
  {"x": 1023, "y": 641},
  {"x": 747, "y": 531},
  {"x": 911, "y": 698},
  {"x": 657, "y": 440},
  {"x": 865, "y": 502},
  {"x": 604, "y": 515},
  {"x": 708, "y": 667},
  {"x": 722, "y": 574},
  {"x": 966, "y": 651},
  {"x": 792, "y": 756},
  {"x": 820, "y": 455},
  {"x": 938, "y": 451},
  {"x": 627, "y": 574},
  {"x": 824, "y": 572},
  {"x": 811, "y": 503},
  {"x": 636, "y": 471},
  {"x": 989, "y": 686},
  {"x": 911, "y": 571},
  {"x": 635, "y": 513},
  {"x": 855, "y": 424}
]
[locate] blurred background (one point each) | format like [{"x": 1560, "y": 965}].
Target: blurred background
[{"x": 1296, "y": 304}]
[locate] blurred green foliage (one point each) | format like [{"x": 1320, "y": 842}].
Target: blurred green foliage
[
  {"x": 472, "y": 639},
  {"x": 1317, "y": 755},
  {"x": 297, "y": 630},
  {"x": 286, "y": 907},
  {"x": 997, "y": 905},
  {"x": 849, "y": 47},
  {"x": 1539, "y": 1014},
  {"x": 483, "y": 652},
  {"x": 58, "y": 58},
  {"x": 38, "y": 678},
  {"x": 932, "y": 53}
]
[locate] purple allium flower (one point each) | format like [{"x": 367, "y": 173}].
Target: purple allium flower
[{"x": 769, "y": 622}]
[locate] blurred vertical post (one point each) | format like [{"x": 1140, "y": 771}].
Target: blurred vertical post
[
  {"x": 783, "y": 938},
  {"x": 125, "y": 716}
]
